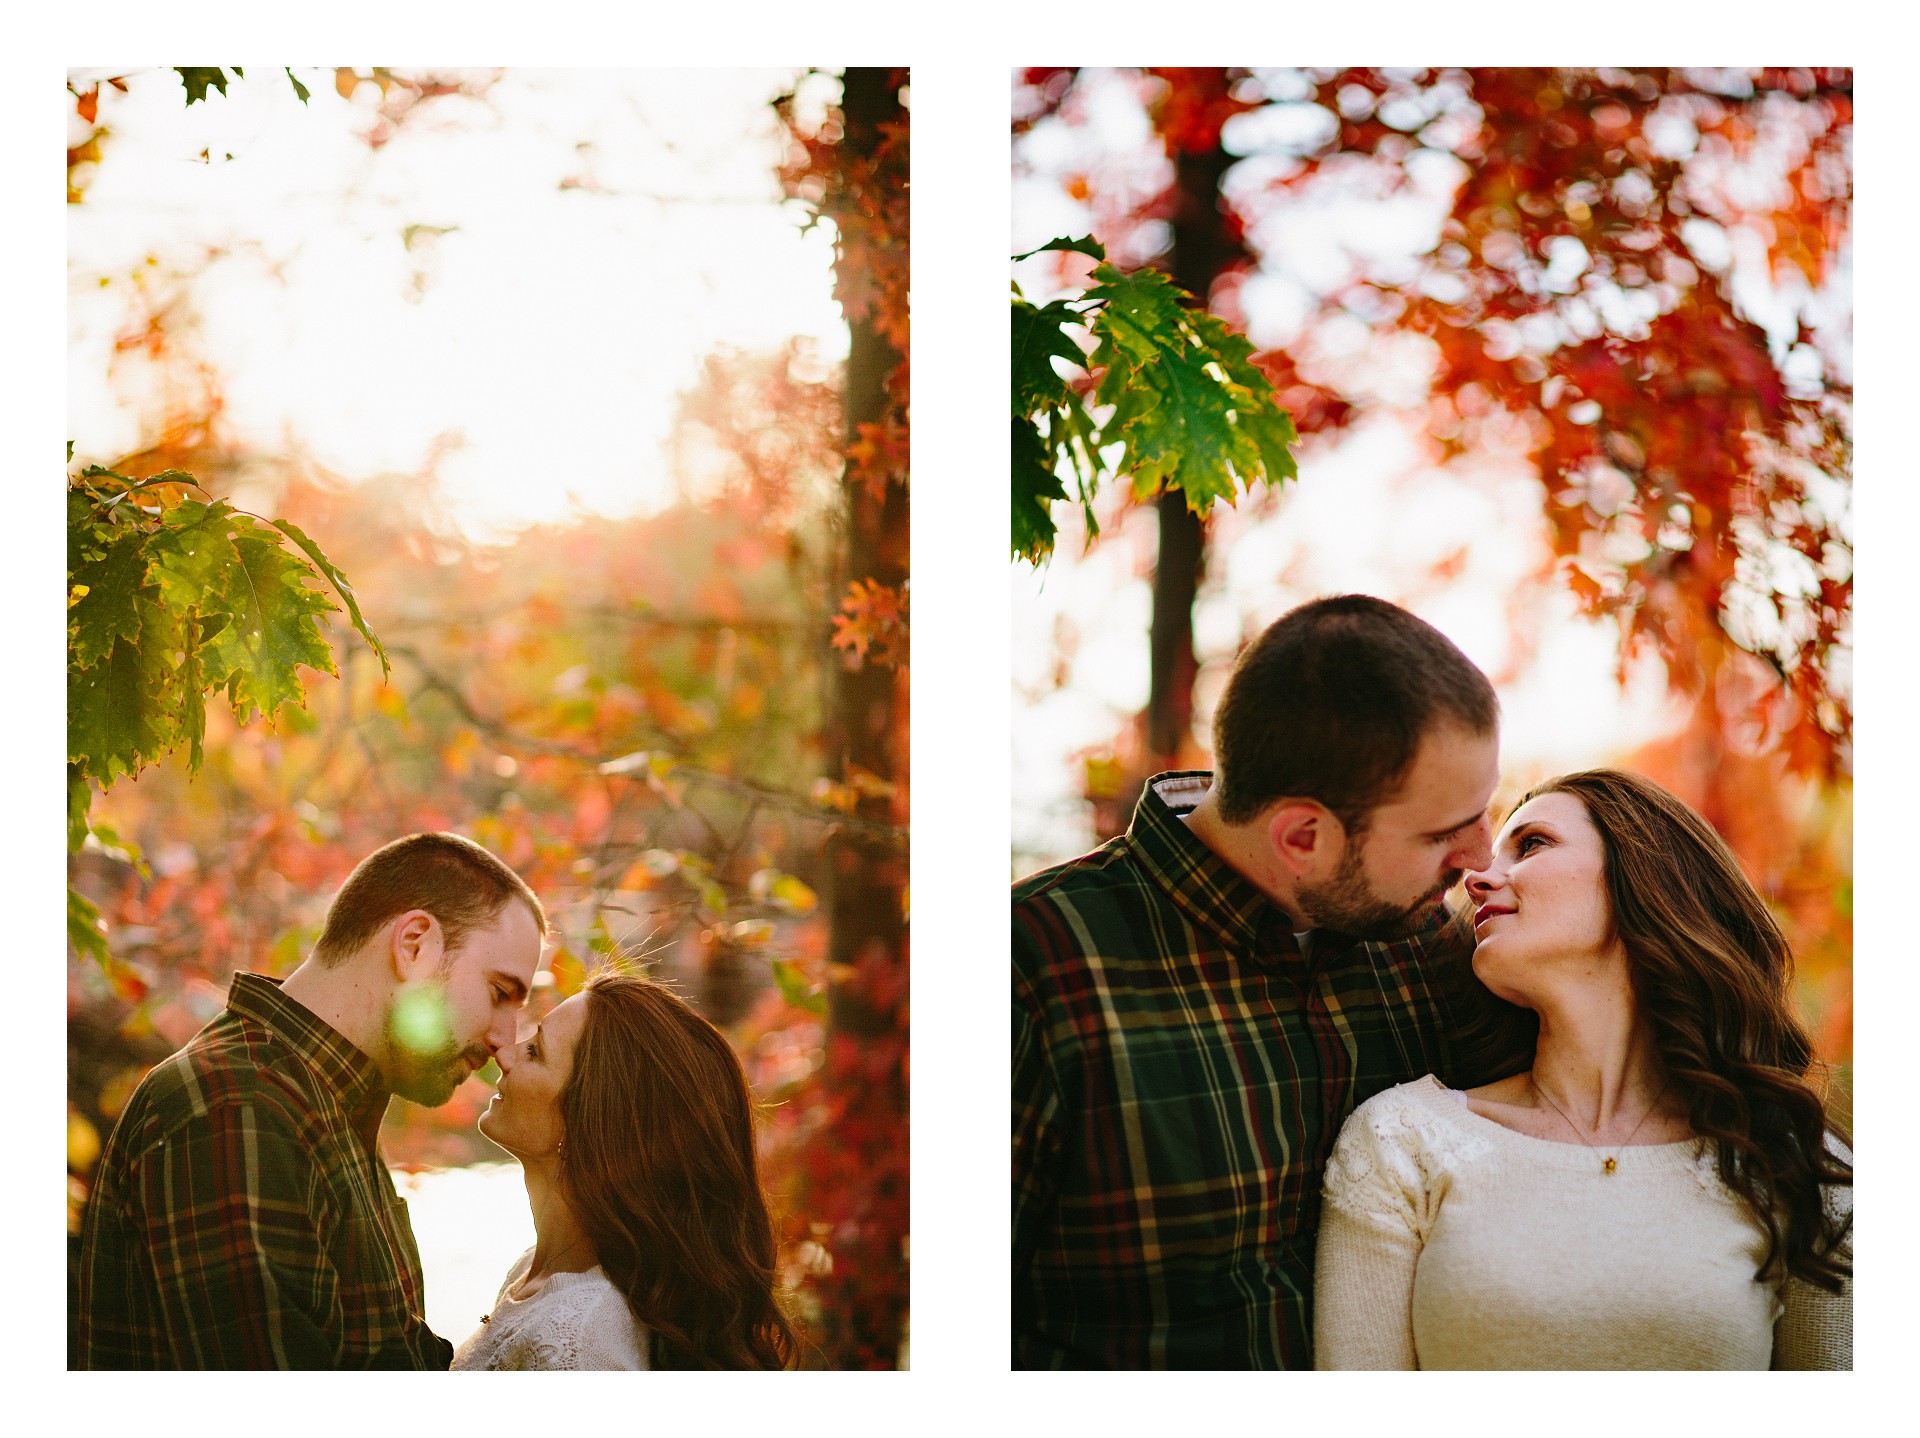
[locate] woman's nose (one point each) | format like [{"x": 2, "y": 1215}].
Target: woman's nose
[{"x": 1480, "y": 883}]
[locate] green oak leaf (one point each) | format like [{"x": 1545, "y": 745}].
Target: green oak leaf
[
  {"x": 79, "y": 800},
  {"x": 193, "y": 554},
  {"x": 120, "y": 710},
  {"x": 274, "y": 628},
  {"x": 1084, "y": 245},
  {"x": 1039, "y": 338},
  {"x": 109, "y": 610},
  {"x": 85, "y": 931},
  {"x": 1034, "y": 484},
  {"x": 198, "y": 78},
  {"x": 1182, "y": 383},
  {"x": 191, "y": 718},
  {"x": 340, "y": 585},
  {"x": 90, "y": 528},
  {"x": 300, "y": 91},
  {"x": 1181, "y": 404}
]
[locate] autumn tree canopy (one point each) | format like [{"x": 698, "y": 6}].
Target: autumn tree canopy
[{"x": 1624, "y": 278}]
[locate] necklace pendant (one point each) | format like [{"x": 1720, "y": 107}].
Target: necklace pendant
[{"x": 1609, "y": 1165}]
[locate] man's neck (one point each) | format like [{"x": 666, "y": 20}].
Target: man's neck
[
  {"x": 341, "y": 996},
  {"x": 1244, "y": 847}
]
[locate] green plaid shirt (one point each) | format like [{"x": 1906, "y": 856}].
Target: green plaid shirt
[
  {"x": 242, "y": 1216},
  {"x": 1180, "y": 1071}
]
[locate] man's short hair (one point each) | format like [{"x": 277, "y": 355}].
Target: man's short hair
[
  {"x": 454, "y": 879},
  {"x": 1331, "y": 703}
]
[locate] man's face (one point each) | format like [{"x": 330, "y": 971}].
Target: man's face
[
  {"x": 1417, "y": 844},
  {"x": 439, "y": 1029}
]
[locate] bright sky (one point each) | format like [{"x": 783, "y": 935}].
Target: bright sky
[{"x": 545, "y": 331}]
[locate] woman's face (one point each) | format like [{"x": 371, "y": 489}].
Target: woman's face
[
  {"x": 524, "y": 1116},
  {"x": 1540, "y": 908}
]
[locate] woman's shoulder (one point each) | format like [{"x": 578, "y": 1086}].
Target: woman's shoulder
[
  {"x": 1409, "y": 1108},
  {"x": 1399, "y": 1151},
  {"x": 1422, "y": 1122},
  {"x": 609, "y": 1335}
]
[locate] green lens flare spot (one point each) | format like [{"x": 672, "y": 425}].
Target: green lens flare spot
[{"x": 421, "y": 1021}]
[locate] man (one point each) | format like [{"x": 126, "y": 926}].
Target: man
[
  {"x": 1200, "y": 1003},
  {"x": 243, "y": 1216}
]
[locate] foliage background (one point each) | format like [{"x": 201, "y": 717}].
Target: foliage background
[
  {"x": 1571, "y": 356},
  {"x": 635, "y": 709}
]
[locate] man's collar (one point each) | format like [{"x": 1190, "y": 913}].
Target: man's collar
[
  {"x": 338, "y": 1063},
  {"x": 1210, "y": 891}
]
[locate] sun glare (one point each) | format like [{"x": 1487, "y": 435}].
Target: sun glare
[{"x": 510, "y": 291}]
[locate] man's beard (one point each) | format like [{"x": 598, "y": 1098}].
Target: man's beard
[
  {"x": 1347, "y": 904},
  {"x": 423, "y": 1062}
]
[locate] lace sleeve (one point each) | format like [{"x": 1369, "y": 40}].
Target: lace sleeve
[
  {"x": 1816, "y": 1327},
  {"x": 1372, "y": 1225},
  {"x": 1389, "y": 1164}
]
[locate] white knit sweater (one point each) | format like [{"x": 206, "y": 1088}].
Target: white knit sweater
[
  {"x": 576, "y": 1320},
  {"x": 1450, "y": 1241}
]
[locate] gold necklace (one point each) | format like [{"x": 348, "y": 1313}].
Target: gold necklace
[{"x": 1608, "y": 1162}]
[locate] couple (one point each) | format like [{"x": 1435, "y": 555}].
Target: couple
[
  {"x": 1275, "y": 1106},
  {"x": 242, "y": 1216}
]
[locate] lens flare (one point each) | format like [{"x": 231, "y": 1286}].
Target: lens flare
[{"x": 422, "y": 1022}]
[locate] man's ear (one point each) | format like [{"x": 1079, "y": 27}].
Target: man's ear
[
  {"x": 416, "y": 946},
  {"x": 1306, "y": 839}
]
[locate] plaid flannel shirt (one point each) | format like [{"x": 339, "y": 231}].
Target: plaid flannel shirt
[
  {"x": 1181, "y": 1069},
  {"x": 242, "y": 1216}
]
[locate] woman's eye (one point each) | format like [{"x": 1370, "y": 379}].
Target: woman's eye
[{"x": 1527, "y": 844}]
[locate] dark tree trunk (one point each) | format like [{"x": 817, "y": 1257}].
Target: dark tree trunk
[
  {"x": 1203, "y": 248},
  {"x": 867, "y": 942}
]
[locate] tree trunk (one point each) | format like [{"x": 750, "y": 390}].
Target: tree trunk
[
  {"x": 1202, "y": 249},
  {"x": 864, "y": 1298}
]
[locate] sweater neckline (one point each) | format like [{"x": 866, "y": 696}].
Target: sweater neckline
[
  {"x": 562, "y": 1279},
  {"x": 1628, "y": 1156}
]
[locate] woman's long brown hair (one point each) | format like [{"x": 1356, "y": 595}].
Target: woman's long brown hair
[
  {"x": 659, "y": 1165},
  {"x": 1713, "y": 975}
]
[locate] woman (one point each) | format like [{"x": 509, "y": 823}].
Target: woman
[
  {"x": 1658, "y": 1189},
  {"x": 652, "y": 1249}
]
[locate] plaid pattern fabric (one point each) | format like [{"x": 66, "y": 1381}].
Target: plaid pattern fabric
[
  {"x": 242, "y": 1216},
  {"x": 1181, "y": 1068}
]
